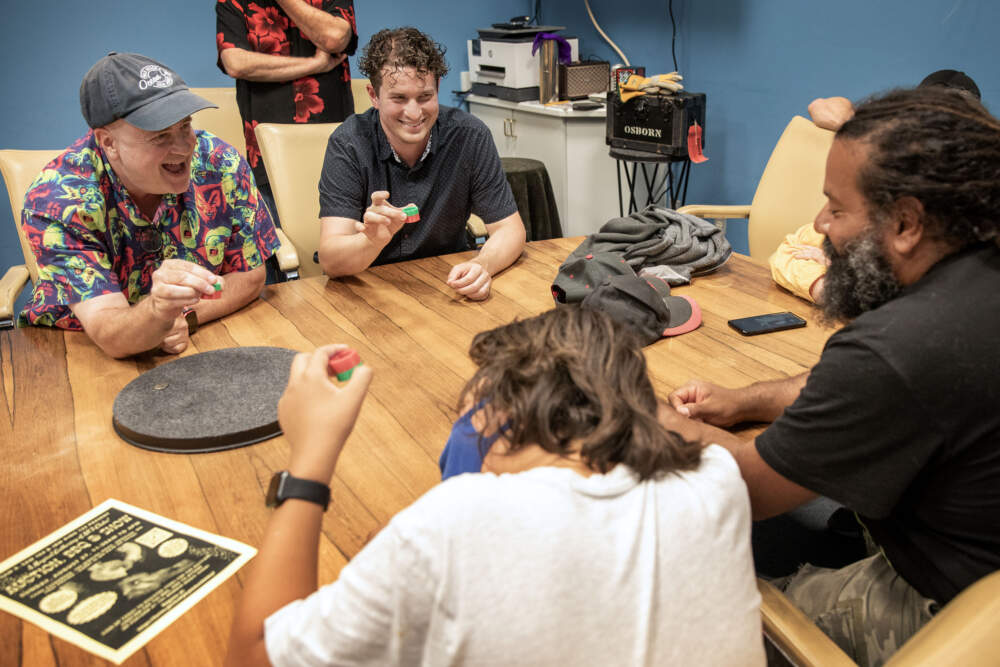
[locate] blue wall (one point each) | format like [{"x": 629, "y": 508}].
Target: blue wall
[
  {"x": 759, "y": 61},
  {"x": 47, "y": 47}
]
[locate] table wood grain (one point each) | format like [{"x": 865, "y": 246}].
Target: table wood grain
[{"x": 61, "y": 456}]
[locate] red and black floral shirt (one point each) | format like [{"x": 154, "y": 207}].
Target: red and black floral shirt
[{"x": 263, "y": 27}]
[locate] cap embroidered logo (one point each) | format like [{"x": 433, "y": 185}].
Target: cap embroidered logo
[{"x": 154, "y": 76}]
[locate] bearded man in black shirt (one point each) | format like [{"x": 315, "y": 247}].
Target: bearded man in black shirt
[{"x": 900, "y": 419}]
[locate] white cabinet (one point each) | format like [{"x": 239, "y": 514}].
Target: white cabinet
[{"x": 571, "y": 144}]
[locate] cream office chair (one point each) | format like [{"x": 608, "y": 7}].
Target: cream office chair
[
  {"x": 224, "y": 122},
  {"x": 790, "y": 191},
  {"x": 19, "y": 169},
  {"x": 965, "y": 632},
  {"x": 293, "y": 156},
  {"x": 362, "y": 102}
]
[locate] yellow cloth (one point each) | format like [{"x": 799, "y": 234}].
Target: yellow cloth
[{"x": 797, "y": 275}]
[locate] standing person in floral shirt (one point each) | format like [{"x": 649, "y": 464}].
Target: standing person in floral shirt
[
  {"x": 143, "y": 216},
  {"x": 289, "y": 59}
]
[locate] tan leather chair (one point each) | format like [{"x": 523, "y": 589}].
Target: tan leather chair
[
  {"x": 965, "y": 632},
  {"x": 224, "y": 122},
  {"x": 362, "y": 101},
  {"x": 790, "y": 191},
  {"x": 293, "y": 156},
  {"x": 19, "y": 169}
]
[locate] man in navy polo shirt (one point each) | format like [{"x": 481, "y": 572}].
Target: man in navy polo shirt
[{"x": 406, "y": 150}]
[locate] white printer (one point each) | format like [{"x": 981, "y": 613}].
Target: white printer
[{"x": 501, "y": 64}]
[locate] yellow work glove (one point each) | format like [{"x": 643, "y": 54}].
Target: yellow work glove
[{"x": 663, "y": 84}]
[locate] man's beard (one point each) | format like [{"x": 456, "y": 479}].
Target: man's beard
[{"x": 858, "y": 279}]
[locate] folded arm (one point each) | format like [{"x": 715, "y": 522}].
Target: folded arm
[
  {"x": 329, "y": 33},
  {"x": 252, "y": 66}
]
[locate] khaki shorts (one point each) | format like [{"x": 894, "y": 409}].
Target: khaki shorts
[{"x": 865, "y": 607}]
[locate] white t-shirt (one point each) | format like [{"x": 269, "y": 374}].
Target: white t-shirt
[{"x": 545, "y": 567}]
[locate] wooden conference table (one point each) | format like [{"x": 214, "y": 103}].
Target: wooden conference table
[{"x": 61, "y": 456}]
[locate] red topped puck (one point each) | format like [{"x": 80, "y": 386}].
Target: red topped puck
[{"x": 342, "y": 363}]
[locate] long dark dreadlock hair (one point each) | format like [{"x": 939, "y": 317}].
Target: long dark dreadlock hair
[{"x": 939, "y": 146}]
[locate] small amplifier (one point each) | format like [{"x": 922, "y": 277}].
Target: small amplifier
[
  {"x": 577, "y": 80},
  {"x": 655, "y": 123}
]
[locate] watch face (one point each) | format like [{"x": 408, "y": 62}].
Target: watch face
[{"x": 272, "y": 489}]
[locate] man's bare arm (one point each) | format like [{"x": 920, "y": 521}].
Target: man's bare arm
[
  {"x": 348, "y": 246},
  {"x": 344, "y": 251},
  {"x": 251, "y": 66},
  {"x": 760, "y": 401},
  {"x": 121, "y": 329},
  {"x": 330, "y": 33},
  {"x": 770, "y": 493},
  {"x": 505, "y": 244}
]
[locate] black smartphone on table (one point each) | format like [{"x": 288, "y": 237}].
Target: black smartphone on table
[{"x": 758, "y": 324}]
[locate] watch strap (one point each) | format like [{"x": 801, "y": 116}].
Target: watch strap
[{"x": 285, "y": 486}]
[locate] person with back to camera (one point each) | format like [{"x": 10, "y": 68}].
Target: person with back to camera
[
  {"x": 798, "y": 264},
  {"x": 143, "y": 217},
  {"x": 898, "y": 420},
  {"x": 594, "y": 536},
  {"x": 408, "y": 149}
]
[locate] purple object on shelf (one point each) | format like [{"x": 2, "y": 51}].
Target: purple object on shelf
[{"x": 565, "y": 50}]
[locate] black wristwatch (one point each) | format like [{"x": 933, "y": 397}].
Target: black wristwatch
[{"x": 284, "y": 486}]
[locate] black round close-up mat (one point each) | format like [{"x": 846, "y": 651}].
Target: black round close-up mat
[{"x": 206, "y": 402}]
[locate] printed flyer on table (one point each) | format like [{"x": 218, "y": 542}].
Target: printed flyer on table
[{"x": 115, "y": 577}]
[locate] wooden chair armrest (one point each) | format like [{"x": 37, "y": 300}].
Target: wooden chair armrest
[
  {"x": 10, "y": 287},
  {"x": 794, "y": 634},
  {"x": 288, "y": 258},
  {"x": 716, "y": 211},
  {"x": 476, "y": 229},
  {"x": 963, "y": 633}
]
